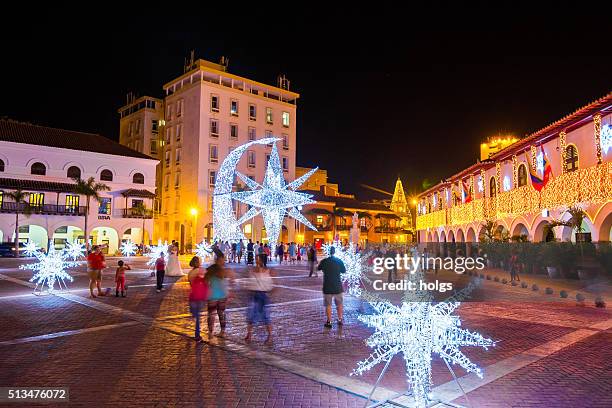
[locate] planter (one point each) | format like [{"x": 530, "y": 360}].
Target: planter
[{"x": 552, "y": 272}]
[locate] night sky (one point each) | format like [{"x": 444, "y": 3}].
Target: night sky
[{"x": 384, "y": 95}]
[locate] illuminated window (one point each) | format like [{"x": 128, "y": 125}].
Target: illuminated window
[
  {"x": 213, "y": 153},
  {"x": 214, "y": 128},
  {"x": 252, "y": 133},
  {"x": 234, "y": 107},
  {"x": 154, "y": 125},
  {"x": 319, "y": 219},
  {"x": 285, "y": 141},
  {"x": 233, "y": 131},
  {"x": 106, "y": 175},
  {"x": 285, "y": 119},
  {"x": 269, "y": 118},
  {"x": 251, "y": 158},
  {"x": 39, "y": 169},
  {"x": 37, "y": 199},
  {"x": 73, "y": 172},
  {"x": 571, "y": 158},
  {"x": 214, "y": 103},
  {"x": 492, "y": 187},
  {"x": 247, "y": 228},
  {"x": 1, "y": 198},
  {"x": 212, "y": 176},
  {"x": 362, "y": 222},
  {"x": 105, "y": 206},
  {"x": 138, "y": 178},
  {"x": 522, "y": 175},
  {"x": 72, "y": 203},
  {"x": 252, "y": 111}
]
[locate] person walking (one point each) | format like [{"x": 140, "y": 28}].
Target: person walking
[
  {"x": 250, "y": 248},
  {"x": 216, "y": 275},
  {"x": 280, "y": 253},
  {"x": 292, "y": 253},
  {"x": 234, "y": 250},
  {"x": 312, "y": 260},
  {"x": 120, "y": 278},
  {"x": 198, "y": 294},
  {"x": 260, "y": 284},
  {"x": 239, "y": 250},
  {"x": 332, "y": 268},
  {"x": 160, "y": 271},
  {"x": 96, "y": 263},
  {"x": 514, "y": 267},
  {"x": 267, "y": 253}
]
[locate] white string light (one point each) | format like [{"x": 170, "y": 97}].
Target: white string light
[
  {"x": 128, "y": 248},
  {"x": 155, "y": 252},
  {"x": 75, "y": 250},
  {"x": 50, "y": 268},
  {"x": 203, "y": 250},
  {"x": 606, "y": 138},
  {"x": 353, "y": 264},
  {"x": 31, "y": 248}
]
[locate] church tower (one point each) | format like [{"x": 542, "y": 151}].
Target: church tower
[{"x": 399, "y": 205}]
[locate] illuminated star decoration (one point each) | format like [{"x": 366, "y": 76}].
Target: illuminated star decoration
[
  {"x": 128, "y": 248},
  {"x": 352, "y": 263},
  {"x": 506, "y": 183},
  {"x": 203, "y": 250},
  {"x": 156, "y": 250},
  {"x": 540, "y": 162},
  {"x": 606, "y": 138},
  {"x": 274, "y": 199},
  {"x": 50, "y": 268},
  {"x": 74, "y": 250},
  {"x": 31, "y": 248}
]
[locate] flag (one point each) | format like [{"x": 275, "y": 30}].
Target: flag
[
  {"x": 547, "y": 167},
  {"x": 538, "y": 182}
]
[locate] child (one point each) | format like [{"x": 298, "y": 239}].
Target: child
[
  {"x": 198, "y": 294},
  {"x": 120, "y": 278},
  {"x": 160, "y": 270}
]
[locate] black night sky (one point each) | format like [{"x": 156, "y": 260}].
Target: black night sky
[{"x": 382, "y": 94}]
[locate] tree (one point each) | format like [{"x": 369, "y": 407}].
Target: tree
[
  {"x": 338, "y": 212},
  {"x": 90, "y": 189},
  {"x": 20, "y": 199},
  {"x": 577, "y": 216}
]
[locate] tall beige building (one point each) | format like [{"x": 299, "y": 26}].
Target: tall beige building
[{"x": 206, "y": 113}]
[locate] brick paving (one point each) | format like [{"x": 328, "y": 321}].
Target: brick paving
[{"x": 159, "y": 365}]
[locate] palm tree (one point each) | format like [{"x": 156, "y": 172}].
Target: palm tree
[
  {"x": 141, "y": 209},
  {"x": 20, "y": 198},
  {"x": 89, "y": 188},
  {"x": 338, "y": 212}
]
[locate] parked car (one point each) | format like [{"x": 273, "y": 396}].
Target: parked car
[{"x": 7, "y": 249}]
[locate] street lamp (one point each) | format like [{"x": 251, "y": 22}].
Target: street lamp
[{"x": 194, "y": 213}]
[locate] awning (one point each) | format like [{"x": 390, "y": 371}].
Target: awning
[
  {"x": 389, "y": 216},
  {"x": 132, "y": 192},
  {"x": 36, "y": 185}
]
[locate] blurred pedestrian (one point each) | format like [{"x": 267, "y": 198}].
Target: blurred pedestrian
[
  {"x": 160, "y": 271},
  {"x": 218, "y": 292},
  {"x": 198, "y": 294},
  {"x": 260, "y": 284}
]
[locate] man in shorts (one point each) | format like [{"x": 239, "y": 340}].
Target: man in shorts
[
  {"x": 332, "y": 268},
  {"x": 95, "y": 263}
]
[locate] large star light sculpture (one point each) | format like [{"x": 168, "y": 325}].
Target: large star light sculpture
[
  {"x": 274, "y": 199},
  {"x": 155, "y": 252},
  {"x": 50, "y": 268},
  {"x": 128, "y": 248},
  {"x": 353, "y": 263}
]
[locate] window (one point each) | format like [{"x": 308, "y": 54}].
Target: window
[
  {"x": 233, "y": 131},
  {"x": 319, "y": 219},
  {"x": 168, "y": 135},
  {"x": 179, "y": 108},
  {"x": 177, "y": 180},
  {"x": 166, "y": 181},
  {"x": 234, "y": 107},
  {"x": 154, "y": 125},
  {"x": 268, "y": 135},
  {"x": 72, "y": 203},
  {"x": 285, "y": 119},
  {"x": 73, "y": 172},
  {"x": 137, "y": 145},
  {"x": 105, "y": 206},
  {"x": 214, "y": 128},
  {"x": 251, "y": 158},
  {"x": 522, "y": 175},
  {"x": 36, "y": 199},
  {"x": 137, "y": 203},
  {"x": 39, "y": 169},
  {"x": 153, "y": 146},
  {"x": 177, "y": 155},
  {"x": 212, "y": 176},
  {"x": 177, "y": 204},
  {"x": 213, "y": 153},
  {"x": 285, "y": 141},
  {"x": 167, "y": 157},
  {"x": 571, "y": 158},
  {"x": 179, "y": 128},
  {"x": 285, "y": 164},
  {"x": 106, "y": 175},
  {"x": 1, "y": 165},
  {"x": 267, "y": 158},
  {"x": 138, "y": 178},
  {"x": 492, "y": 187},
  {"x": 170, "y": 112},
  {"x": 1, "y": 198},
  {"x": 269, "y": 118},
  {"x": 138, "y": 126},
  {"x": 252, "y": 112},
  {"x": 214, "y": 103},
  {"x": 252, "y": 133},
  {"x": 130, "y": 129}
]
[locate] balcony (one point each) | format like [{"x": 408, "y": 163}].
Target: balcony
[
  {"x": 321, "y": 227},
  {"x": 136, "y": 213},
  {"x": 343, "y": 227},
  {"x": 387, "y": 230},
  {"x": 44, "y": 209}
]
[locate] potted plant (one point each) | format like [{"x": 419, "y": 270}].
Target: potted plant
[{"x": 550, "y": 259}]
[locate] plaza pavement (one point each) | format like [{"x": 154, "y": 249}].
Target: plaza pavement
[{"x": 138, "y": 351}]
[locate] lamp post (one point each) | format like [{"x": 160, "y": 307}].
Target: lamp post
[{"x": 194, "y": 226}]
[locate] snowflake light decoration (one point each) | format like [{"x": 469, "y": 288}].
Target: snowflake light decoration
[
  {"x": 418, "y": 330},
  {"x": 50, "y": 268},
  {"x": 75, "y": 250},
  {"x": 128, "y": 248},
  {"x": 353, "y": 264},
  {"x": 606, "y": 138},
  {"x": 480, "y": 184},
  {"x": 274, "y": 199},
  {"x": 203, "y": 250},
  {"x": 156, "y": 250},
  {"x": 31, "y": 248},
  {"x": 540, "y": 162}
]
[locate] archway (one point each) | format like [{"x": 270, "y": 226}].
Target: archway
[
  {"x": 32, "y": 233},
  {"x": 567, "y": 234},
  {"x": 470, "y": 241},
  {"x": 107, "y": 238},
  {"x": 605, "y": 230},
  {"x": 461, "y": 246},
  {"x": 501, "y": 233},
  {"x": 520, "y": 230},
  {"x": 67, "y": 234},
  {"x": 540, "y": 235}
]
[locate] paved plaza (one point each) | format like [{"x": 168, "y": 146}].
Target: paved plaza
[{"x": 139, "y": 351}]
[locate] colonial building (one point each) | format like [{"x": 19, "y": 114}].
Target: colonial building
[
  {"x": 578, "y": 149},
  {"x": 207, "y": 112},
  {"x": 333, "y": 212},
  {"x": 43, "y": 161}
]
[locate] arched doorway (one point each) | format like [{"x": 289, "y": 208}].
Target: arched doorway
[
  {"x": 501, "y": 233},
  {"x": 605, "y": 230},
  {"x": 520, "y": 232},
  {"x": 470, "y": 241},
  {"x": 67, "y": 234},
  {"x": 461, "y": 247},
  {"x": 542, "y": 233},
  {"x": 107, "y": 238},
  {"x": 33, "y": 233}
]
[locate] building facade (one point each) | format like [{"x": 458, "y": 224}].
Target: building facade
[
  {"x": 43, "y": 161},
  {"x": 207, "y": 112},
  {"x": 579, "y": 151}
]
